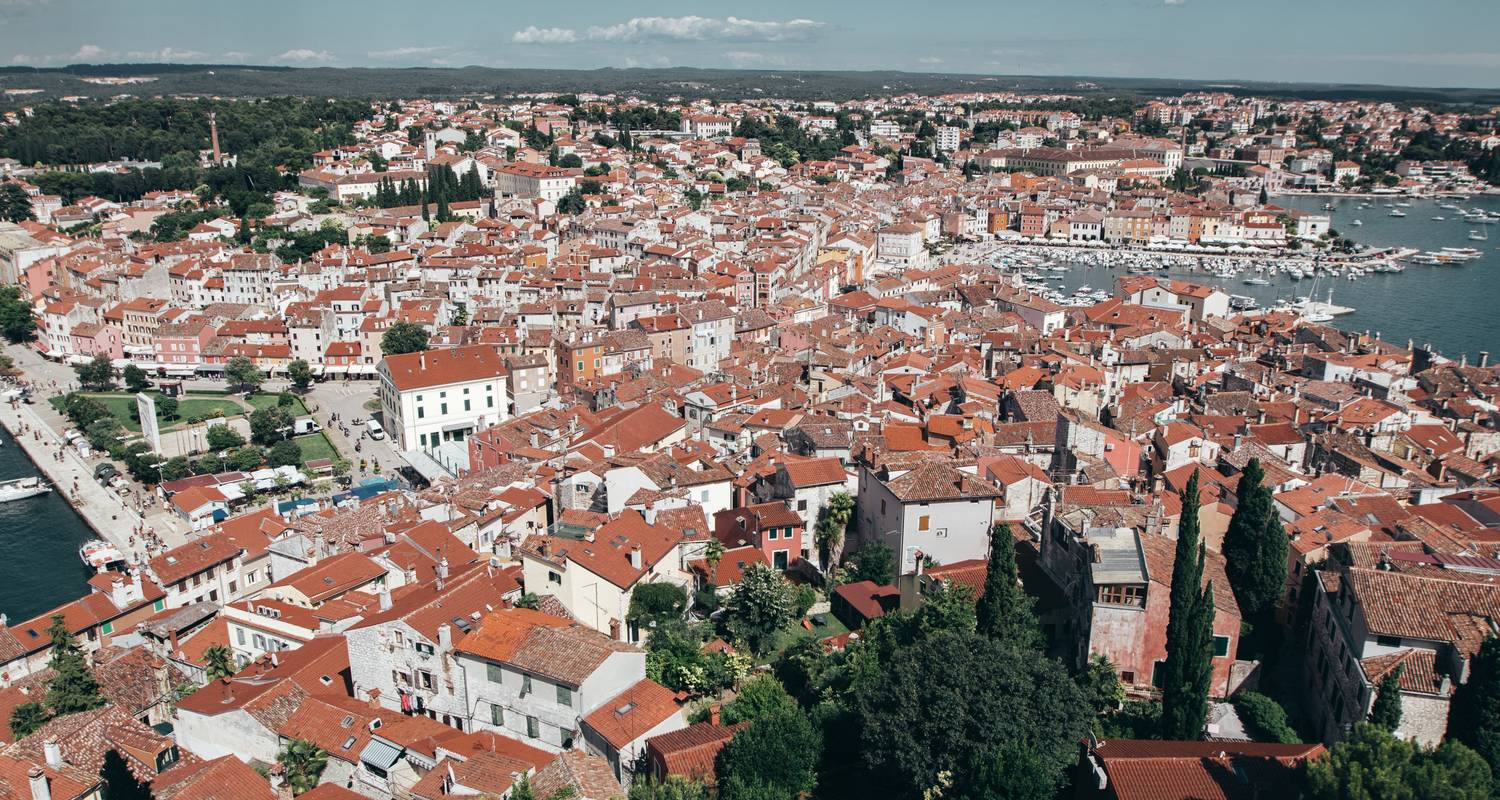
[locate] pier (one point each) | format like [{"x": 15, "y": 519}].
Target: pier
[{"x": 110, "y": 516}]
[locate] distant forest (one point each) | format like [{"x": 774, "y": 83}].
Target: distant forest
[{"x": 259, "y": 81}]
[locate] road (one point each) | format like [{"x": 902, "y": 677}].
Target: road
[{"x": 347, "y": 400}]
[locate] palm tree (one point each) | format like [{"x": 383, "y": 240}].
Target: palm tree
[
  {"x": 712, "y": 553},
  {"x": 833, "y": 520},
  {"x": 301, "y": 763},
  {"x": 218, "y": 663}
]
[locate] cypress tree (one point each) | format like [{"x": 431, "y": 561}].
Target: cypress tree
[
  {"x": 72, "y": 687},
  {"x": 1004, "y": 610},
  {"x": 1386, "y": 711},
  {"x": 1188, "y": 670},
  {"x": 1474, "y": 713},
  {"x": 1255, "y": 547}
]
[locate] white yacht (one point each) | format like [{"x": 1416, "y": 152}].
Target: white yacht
[{"x": 22, "y": 488}]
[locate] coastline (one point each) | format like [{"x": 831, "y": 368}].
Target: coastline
[{"x": 109, "y": 517}]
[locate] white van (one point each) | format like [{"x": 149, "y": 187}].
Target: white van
[{"x": 374, "y": 429}]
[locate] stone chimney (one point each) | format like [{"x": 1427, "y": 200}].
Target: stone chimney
[
  {"x": 445, "y": 638},
  {"x": 53, "y": 752},
  {"x": 635, "y": 556},
  {"x": 385, "y": 599},
  {"x": 41, "y": 788},
  {"x": 713, "y": 714}
]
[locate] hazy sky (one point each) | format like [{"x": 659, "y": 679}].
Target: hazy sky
[{"x": 1407, "y": 42}]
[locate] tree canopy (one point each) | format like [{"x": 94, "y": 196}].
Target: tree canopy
[
  {"x": 403, "y": 337},
  {"x": 1004, "y": 610},
  {"x": 1188, "y": 670}
]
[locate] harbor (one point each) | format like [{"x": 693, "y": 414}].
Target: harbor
[{"x": 1413, "y": 277}]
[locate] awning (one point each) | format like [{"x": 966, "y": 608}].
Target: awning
[{"x": 380, "y": 755}]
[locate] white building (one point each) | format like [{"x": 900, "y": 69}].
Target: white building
[
  {"x": 523, "y": 179},
  {"x": 438, "y": 396},
  {"x": 936, "y": 510}
]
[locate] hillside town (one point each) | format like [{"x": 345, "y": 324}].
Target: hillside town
[{"x": 598, "y": 446}]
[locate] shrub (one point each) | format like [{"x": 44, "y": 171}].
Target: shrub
[{"x": 1264, "y": 718}]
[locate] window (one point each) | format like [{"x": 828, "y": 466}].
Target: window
[
  {"x": 423, "y": 648},
  {"x": 553, "y": 577},
  {"x": 882, "y": 505},
  {"x": 107, "y": 627},
  {"x": 489, "y": 402},
  {"x": 1157, "y": 678},
  {"x": 466, "y": 404},
  {"x": 1388, "y": 641},
  {"x": 533, "y": 728},
  {"x": 442, "y": 408},
  {"x": 497, "y": 715},
  {"x": 494, "y": 673},
  {"x": 240, "y": 636},
  {"x": 564, "y": 696},
  {"x": 424, "y": 679},
  {"x": 1221, "y": 646},
  {"x": 421, "y": 412},
  {"x": 801, "y": 505},
  {"x": 525, "y": 684},
  {"x": 923, "y": 522},
  {"x": 770, "y": 533},
  {"x": 260, "y": 642},
  {"x": 1122, "y": 595}
]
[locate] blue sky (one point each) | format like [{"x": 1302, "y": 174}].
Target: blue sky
[{"x": 1405, "y": 42}]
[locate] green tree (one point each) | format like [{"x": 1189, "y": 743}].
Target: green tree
[
  {"x": 875, "y": 563},
  {"x": 118, "y": 782},
  {"x": 833, "y": 523},
  {"x": 208, "y": 464},
  {"x": 218, "y": 663},
  {"x": 1188, "y": 670},
  {"x": 1100, "y": 682},
  {"x": 167, "y": 407},
  {"x": 175, "y": 468},
  {"x": 1265, "y": 718},
  {"x": 17, "y": 322},
  {"x": 247, "y": 458},
  {"x": 26, "y": 718},
  {"x": 243, "y": 374},
  {"x": 83, "y": 410},
  {"x": 72, "y": 687},
  {"x": 761, "y": 696},
  {"x": 269, "y": 425},
  {"x": 403, "y": 337},
  {"x": 285, "y": 453},
  {"x": 222, "y": 437},
  {"x": 96, "y": 373},
  {"x": 302, "y": 762},
  {"x": 1372, "y": 764},
  {"x": 1255, "y": 547},
  {"x": 655, "y": 603},
  {"x": 101, "y": 433},
  {"x": 759, "y": 607},
  {"x": 1386, "y": 710},
  {"x": 952, "y": 700},
  {"x": 675, "y": 787},
  {"x": 1004, "y": 610},
  {"x": 300, "y": 374},
  {"x": 775, "y": 758},
  {"x": 1474, "y": 713},
  {"x": 15, "y": 204},
  {"x": 135, "y": 378}
]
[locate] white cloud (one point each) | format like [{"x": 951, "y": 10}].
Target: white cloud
[
  {"x": 304, "y": 55},
  {"x": 657, "y": 60},
  {"x": 404, "y": 53},
  {"x": 679, "y": 29},
  {"x": 167, "y": 54},
  {"x": 535, "y": 35},
  {"x": 746, "y": 58},
  {"x": 22, "y": 58},
  {"x": 1174, "y": 2},
  {"x": 90, "y": 52},
  {"x": 930, "y": 60},
  {"x": 235, "y": 55}
]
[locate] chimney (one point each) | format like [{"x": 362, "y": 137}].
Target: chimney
[
  {"x": 713, "y": 714},
  {"x": 40, "y": 788},
  {"x": 614, "y": 629},
  {"x": 1484, "y": 359},
  {"x": 635, "y": 556},
  {"x": 445, "y": 638},
  {"x": 53, "y": 751},
  {"x": 385, "y": 599}
]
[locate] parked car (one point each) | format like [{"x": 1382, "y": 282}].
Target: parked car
[{"x": 373, "y": 428}]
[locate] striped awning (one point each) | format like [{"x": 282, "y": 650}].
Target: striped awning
[{"x": 380, "y": 754}]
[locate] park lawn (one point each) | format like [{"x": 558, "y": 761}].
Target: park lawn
[
  {"x": 121, "y": 405},
  {"x": 259, "y": 401},
  {"x": 795, "y": 633},
  {"x": 315, "y": 446}
]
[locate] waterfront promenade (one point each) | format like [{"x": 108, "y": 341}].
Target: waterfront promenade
[{"x": 110, "y": 515}]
